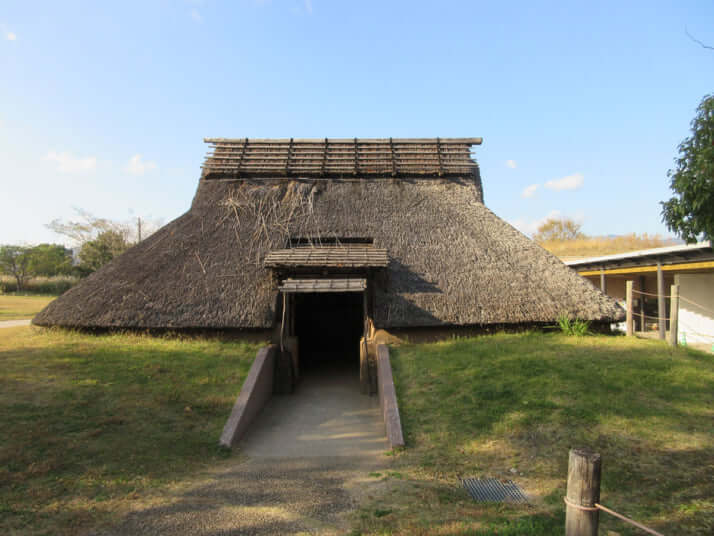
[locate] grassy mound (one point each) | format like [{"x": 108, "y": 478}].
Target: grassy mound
[
  {"x": 510, "y": 407},
  {"x": 90, "y": 425}
]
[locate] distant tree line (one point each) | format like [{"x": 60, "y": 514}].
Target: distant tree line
[
  {"x": 98, "y": 241},
  {"x": 25, "y": 262}
]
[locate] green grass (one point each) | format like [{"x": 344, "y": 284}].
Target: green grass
[
  {"x": 485, "y": 406},
  {"x": 91, "y": 425},
  {"x": 21, "y": 307}
]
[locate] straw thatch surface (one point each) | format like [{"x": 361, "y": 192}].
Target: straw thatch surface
[{"x": 452, "y": 261}]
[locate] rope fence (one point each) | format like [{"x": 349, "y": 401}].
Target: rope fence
[
  {"x": 669, "y": 296},
  {"x": 626, "y": 519},
  {"x": 650, "y": 294},
  {"x": 582, "y": 499},
  {"x": 666, "y": 326},
  {"x": 705, "y": 309}
]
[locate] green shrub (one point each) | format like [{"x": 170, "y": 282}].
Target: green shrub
[{"x": 576, "y": 327}]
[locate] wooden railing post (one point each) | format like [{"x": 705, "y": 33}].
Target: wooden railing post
[
  {"x": 628, "y": 297},
  {"x": 674, "y": 315},
  {"x": 581, "y": 516}
]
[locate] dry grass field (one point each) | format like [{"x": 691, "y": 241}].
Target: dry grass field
[
  {"x": 21, "y": 307},
  {"x": 598, "y": 245}
]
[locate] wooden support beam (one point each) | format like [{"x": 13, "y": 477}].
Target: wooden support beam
[
  {"x": 695, "y": 265},
  {"x": 661, "y": 309},
  {"x": 603, "y": 281},
  {"x": 628, "y": 298},
  {"x": 674, "y": 315},
  {"x": 583, "y": 492},
  {"x": 642, "y": 304}
]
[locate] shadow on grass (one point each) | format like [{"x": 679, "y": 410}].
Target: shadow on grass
[{"x": 93, "y": 421}]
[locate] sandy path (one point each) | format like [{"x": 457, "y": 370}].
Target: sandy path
[{"x": 302, "y": 470}]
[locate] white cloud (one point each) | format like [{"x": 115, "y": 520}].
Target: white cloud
[
  {"x": 67, "y": 163},
  {"x": 10, "y": 36},
  {"x": 308, "y": 6},
  {"x": 511, "y": 164},
  {"x": 196, "y": 16},
  {"x": 529, "y": 191},
  {"x": 137, "y": 167},
  {"x": 530, "y": 227},
  {"x": 571, "y": 182}
]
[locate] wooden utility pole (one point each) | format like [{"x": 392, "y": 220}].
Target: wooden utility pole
[
  {"x": 661, "y": 309},
  {"x": 674, "y": 315},
  {"x": 628, "y": 298},
  {"x": 138, "y": 228},
  {"x": 581, "y": 515}
]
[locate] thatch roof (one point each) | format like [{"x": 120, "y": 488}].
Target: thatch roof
[{"x": 451, "y": 260}]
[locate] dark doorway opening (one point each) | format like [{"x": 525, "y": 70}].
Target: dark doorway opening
[{"x": 329, "y": 326}]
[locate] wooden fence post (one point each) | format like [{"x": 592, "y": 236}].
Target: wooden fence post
[
  {"x": 628, "y": 297},
  {"x": 581, "y": 516},
  {"x": 674, "y": 315}
]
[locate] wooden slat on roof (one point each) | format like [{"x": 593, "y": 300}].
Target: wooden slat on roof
[
  {"x": 358, "y": 157},
  {"x": 323, "y": 285},
  {"x": 335, "y": 257}
]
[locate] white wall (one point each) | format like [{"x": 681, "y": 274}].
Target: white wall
[{"x": 696, "y": 307}]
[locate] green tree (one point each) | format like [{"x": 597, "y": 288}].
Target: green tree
[
  {"x": 50, "y": 260},
  {"x": 98, "y": 252},
  {"x": 690, "y": 212},
  {"x": 15, "y": 261},
  {"x": 558, "y": 229}
]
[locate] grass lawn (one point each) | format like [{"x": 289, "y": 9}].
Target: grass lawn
[
  {"x": 92, "y": 425},
  {"x": 20, "y": 307},
  {"x": 510, "y": 406}
]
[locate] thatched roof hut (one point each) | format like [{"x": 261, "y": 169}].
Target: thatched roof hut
[{"x": 402, "y": 219}]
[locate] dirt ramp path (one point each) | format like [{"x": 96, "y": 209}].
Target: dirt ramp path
[
  {"x": 261, "y": 496},
  {"x": 306, "y": 462}
]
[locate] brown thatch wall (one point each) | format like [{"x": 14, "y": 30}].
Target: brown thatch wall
[{"x": 452, "y": 261}]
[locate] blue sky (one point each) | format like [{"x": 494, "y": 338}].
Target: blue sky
[{"x": 104, "y": 106}]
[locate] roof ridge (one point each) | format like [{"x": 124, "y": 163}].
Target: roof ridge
[
  {"x": 245, "y": 157},
  {"x": 467, "y": 141}
]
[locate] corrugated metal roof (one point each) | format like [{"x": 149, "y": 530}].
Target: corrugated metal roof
[
  {"x": 246, "y": 157},
  {"x": 687, "y": 252},
  {"x": 332, "y": 256},
  {"x": 323, "y": 285}
]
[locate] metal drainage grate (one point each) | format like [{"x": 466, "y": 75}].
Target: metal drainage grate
[{"x": 492, "y": 490}]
